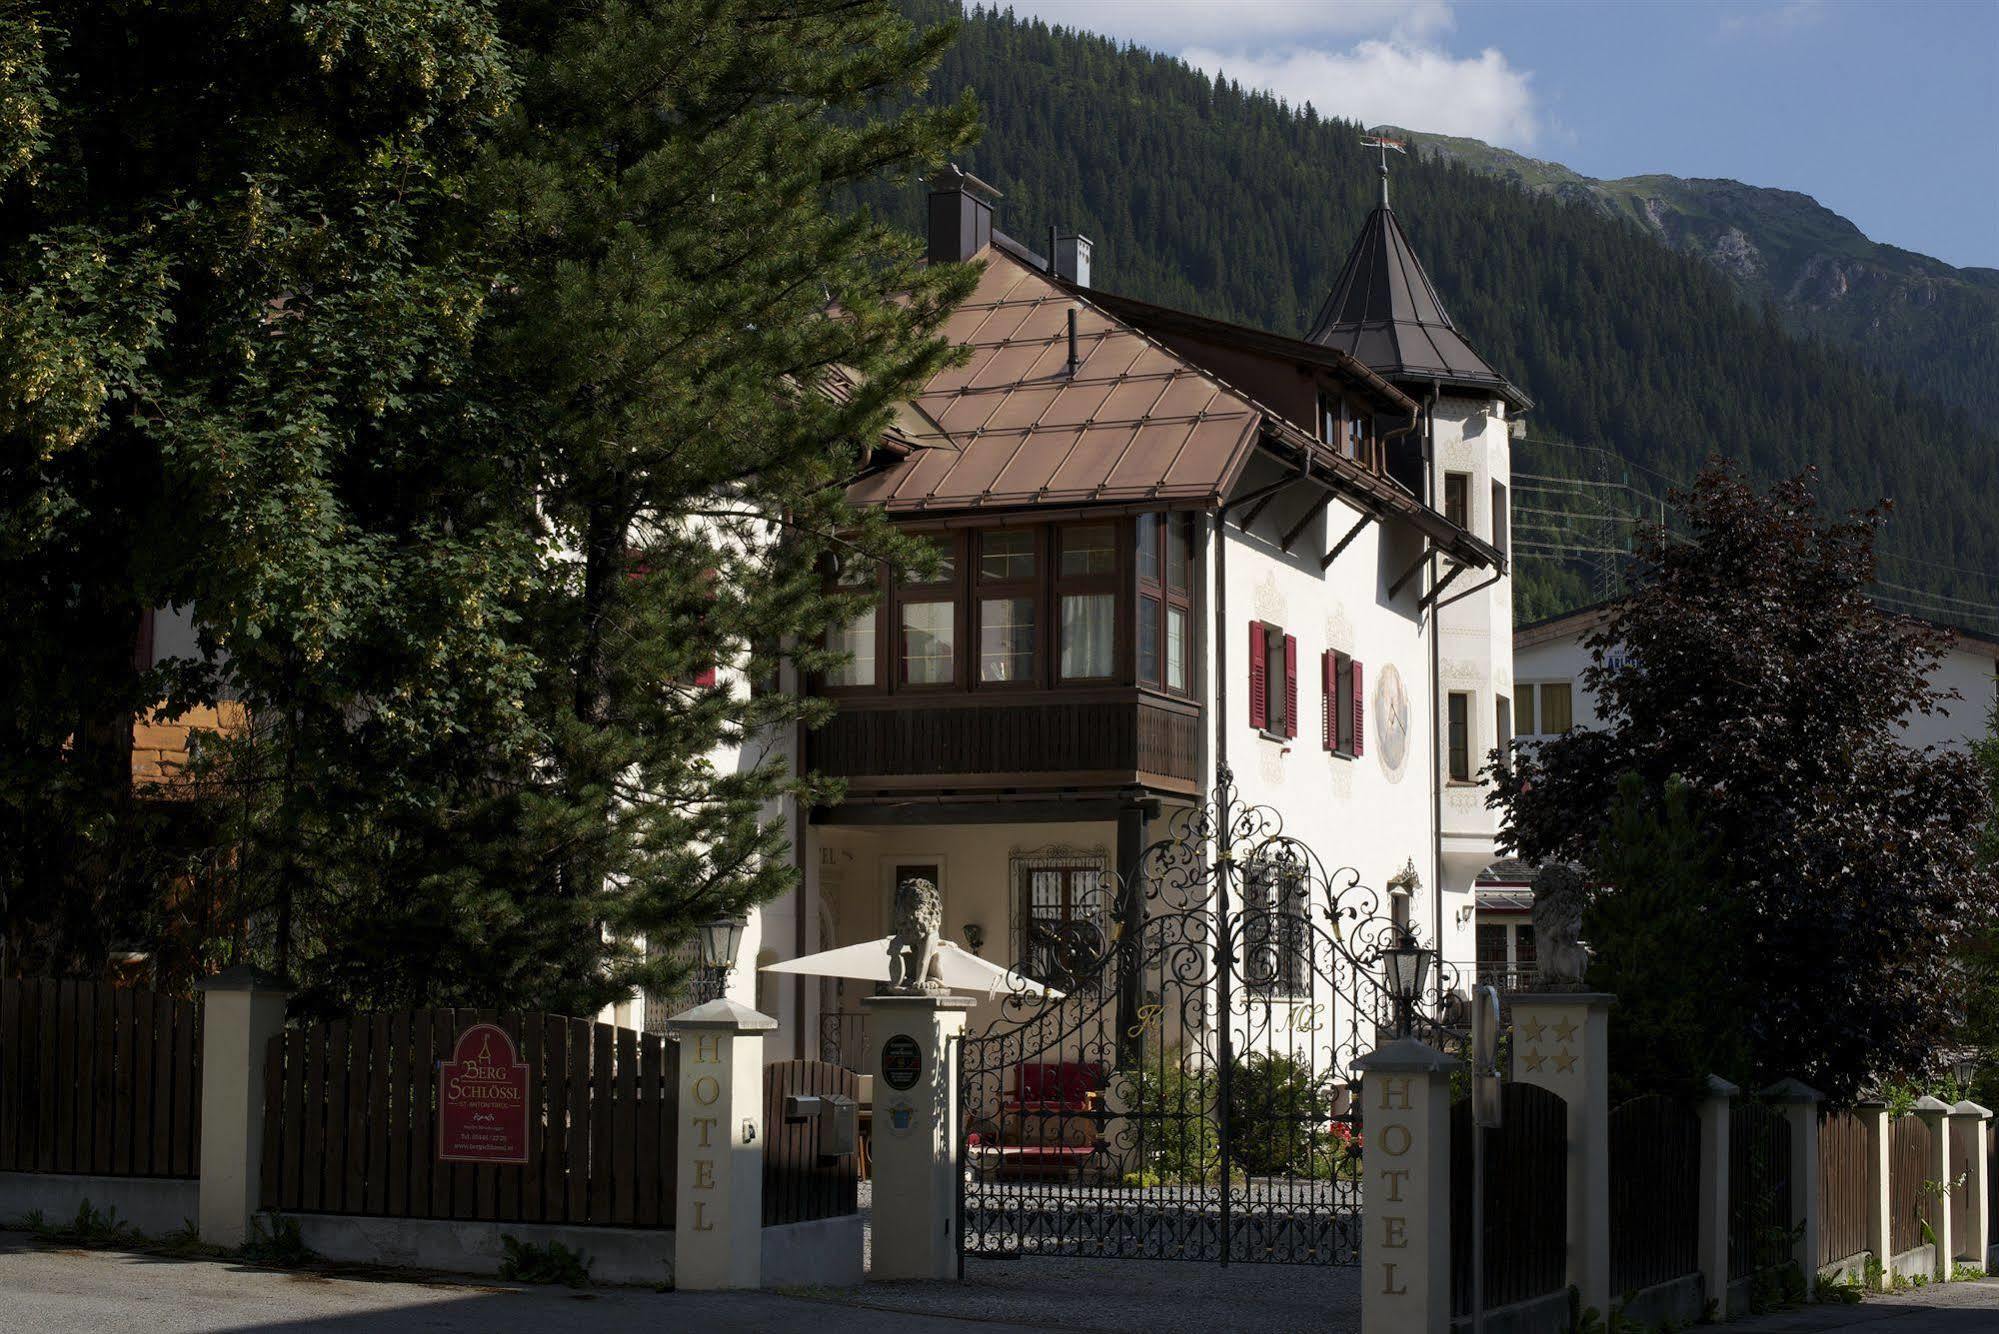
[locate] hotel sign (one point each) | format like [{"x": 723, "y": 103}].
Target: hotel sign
[{"x": 482, "y": 1100}]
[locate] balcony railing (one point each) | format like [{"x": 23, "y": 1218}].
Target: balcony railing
[
  {"x": 1054, "y": 737},
  {"x": 1508, "y": 977}
]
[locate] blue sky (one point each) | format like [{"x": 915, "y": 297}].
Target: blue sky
[{"x": 1887, "y": 113}]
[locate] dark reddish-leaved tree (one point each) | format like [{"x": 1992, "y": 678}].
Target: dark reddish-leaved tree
[{"x": 1753, "y": 664}]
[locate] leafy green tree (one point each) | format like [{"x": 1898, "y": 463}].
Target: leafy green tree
[
  {"x": 1754, "y": 669},
  {"x": 694, "y": 347},
  {"x": 239, "y": 288}
]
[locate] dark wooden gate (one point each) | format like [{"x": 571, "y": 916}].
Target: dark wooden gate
[
  {"x": 1843, "y": 1184},
  {"x": 801, "y": 1180},
  {"x": 1759, "y": 1189},
  {"x": 1911, "y": 1208},
  {"x": 1655, "y": 1157},
  {"x": 1526, "y": 1199},
  {"x": 350, "y": 1124},
  {"x": 99, "y": 1080}
]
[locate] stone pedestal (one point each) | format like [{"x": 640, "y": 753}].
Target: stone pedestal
[
  {"x": 1969, "y": 1119},
  {"x": 1717, "y": 1117},
  {"x": 1873, "y": 1118},
  {"x": 1800, "y": 1106},
  {"x": 1935, "y": 1113},
  {"x": 1405, "y": 1275},
  {"x": 242, "y": 1009},
  {"x": 914, "y": 1146},
  {"x": 1561, "y": 1042},
  {"x": 719, "y": 1193}
]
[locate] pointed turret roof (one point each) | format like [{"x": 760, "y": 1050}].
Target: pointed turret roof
[{"x": 1384, "y": 311}]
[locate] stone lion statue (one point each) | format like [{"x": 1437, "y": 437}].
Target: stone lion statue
[
  {"x": 912, "y": 950},
  {"x": 1560, "y": 895}
]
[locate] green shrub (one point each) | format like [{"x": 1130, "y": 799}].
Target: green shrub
[
  {"x": 280, "y": 1244},
  {"x": 526, "y": 1262}
]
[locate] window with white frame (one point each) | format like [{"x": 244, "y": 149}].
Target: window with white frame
[{"x": 1277, "y": 931}]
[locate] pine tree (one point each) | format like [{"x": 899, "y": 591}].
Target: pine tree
[{"x": 696, "y": 346}]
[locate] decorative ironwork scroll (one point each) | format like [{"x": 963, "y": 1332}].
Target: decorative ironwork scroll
[{"x": 1190, "y": 1095}]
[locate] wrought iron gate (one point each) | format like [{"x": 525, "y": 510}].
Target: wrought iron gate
[{"x": 1182, "y": 1088}]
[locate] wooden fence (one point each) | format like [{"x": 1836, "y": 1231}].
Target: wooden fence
[
  {"x": 1526, "y": 1199},
  {"x": 1759, "y": 1189},
  {"x": 1655, "y": 1158},
  {"x": 350, "y": 1124},
  {"x": 98, "y": 1079},
  {"x": 1910, "y": 1207},
  {"x": 801, "y": 1182},
  {"x": 1844, "y": 1179}
]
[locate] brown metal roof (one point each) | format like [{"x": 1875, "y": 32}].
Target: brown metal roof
[{"x": 1015, "y": 426}]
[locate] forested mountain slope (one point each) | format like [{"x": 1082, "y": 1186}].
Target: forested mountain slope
[
  {"x": 1907, "y": 314},
  {"x": 1205, "y": 196}
]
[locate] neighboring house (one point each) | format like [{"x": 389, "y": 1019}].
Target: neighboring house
[
  {"x": 1170, "y": 543},
  {"x": 1549, "y": 659}
]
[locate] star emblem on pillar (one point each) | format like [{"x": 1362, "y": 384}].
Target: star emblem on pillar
[
  {"x": 1565, "y": 1060},
  {"x": 1532, "y": 1029},
  {"x": 1565, "y": 1031},
  {"x": 1534, "y": 1059}
]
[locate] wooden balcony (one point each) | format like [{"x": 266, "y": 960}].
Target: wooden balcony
[{"x": 1038, "y": 740}]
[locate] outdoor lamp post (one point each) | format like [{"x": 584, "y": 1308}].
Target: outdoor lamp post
[
  {"x": 1965, "y": 1069},
  {"x": 721, "y": 940},
  {"x": 1407, "y": 965}
]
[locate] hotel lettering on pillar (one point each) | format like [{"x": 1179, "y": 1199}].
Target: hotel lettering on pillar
[
  {"x": 706, "y": 1094},
  {"x": 1392, "y": 1144}
]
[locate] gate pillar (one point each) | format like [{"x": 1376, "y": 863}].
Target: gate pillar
[
  {"x": 1935, "y": 1113},
  {"x": 1800, "y": 1105},
  {"x": 1406, "y": 1195},
  {"x": 1561, "y": 1042},
  {"x": 718, "y": 1213},
  {"x": 913, "y": 1149},
  {"x": 1873, "y": 1117},
  {"x": 242, "y": 1009},
  {"x": 1975, "y": 1246},
  {"x": 1717, "y": 1114}
]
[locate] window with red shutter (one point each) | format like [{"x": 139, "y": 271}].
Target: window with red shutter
[
  {"x": 1258, "y": 677},
  {"x": 1329, "y": 713},
  {"x": 1290, "y": 686},
  {"x": 1359, "y": 711}
]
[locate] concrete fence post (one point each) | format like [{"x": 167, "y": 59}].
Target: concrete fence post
[
  {"x": 1800, "y": 1105},
  {"x": 913, "y": 1151},
  {"x": 1873, "y": 1117},
  {"x": 1717, "y": 1116},
  {"x": 1935, "y": 1113},
  {"x": 1975, "y": 1246},
  {"x": 1406, "y": 1242},
  {"x": 1561, "y": 1042},
  {"x": 719, "y": 1197},
  {"x": 242, "y": 1009}
]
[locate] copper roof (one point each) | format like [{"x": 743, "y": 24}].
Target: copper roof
[{"x": 1015, "y": 425}]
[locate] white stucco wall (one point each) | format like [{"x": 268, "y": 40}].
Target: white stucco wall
[{"x": 1968, "y": 670}]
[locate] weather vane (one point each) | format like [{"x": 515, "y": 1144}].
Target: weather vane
[{"x": 1384, "y": 143}]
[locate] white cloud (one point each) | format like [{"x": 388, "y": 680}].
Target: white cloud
[
  {"x": 1242, "y": 25},
  {"x": 1395, "y": 82}
]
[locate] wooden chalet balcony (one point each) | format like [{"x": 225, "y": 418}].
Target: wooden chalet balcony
[{"x": 1039, "y": 739}]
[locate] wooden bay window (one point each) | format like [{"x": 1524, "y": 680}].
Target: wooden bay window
[{"x": 1007, "y": 589}]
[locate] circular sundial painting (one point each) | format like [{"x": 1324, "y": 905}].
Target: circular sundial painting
[{"x": 1391, "y": 711}]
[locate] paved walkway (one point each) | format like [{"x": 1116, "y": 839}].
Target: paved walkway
[
  {"x": 47, "y": 1290},
  {"x": 1949, "y": 1308}
]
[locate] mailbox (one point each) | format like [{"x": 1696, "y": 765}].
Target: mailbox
[{"x": 835, "y": 1113}]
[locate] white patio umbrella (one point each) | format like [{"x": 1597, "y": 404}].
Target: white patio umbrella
[{"x": 959, "y": 969}]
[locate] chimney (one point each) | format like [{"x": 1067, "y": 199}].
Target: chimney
[
  {"x": 961, "y": 215},
  {"x": 1071, "y": 257}
]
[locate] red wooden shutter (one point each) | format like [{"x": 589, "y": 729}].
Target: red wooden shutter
[
  {"x": 1258, "y": 674},
  {"x": 705, "y": 678},
  {"x": 1329, "y": 730},
  {"x": 1290, "y": 686},
  {"x": 1359, "y": 711}
]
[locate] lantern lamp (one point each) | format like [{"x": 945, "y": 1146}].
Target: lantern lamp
[{"x": 721, "y": 939}]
